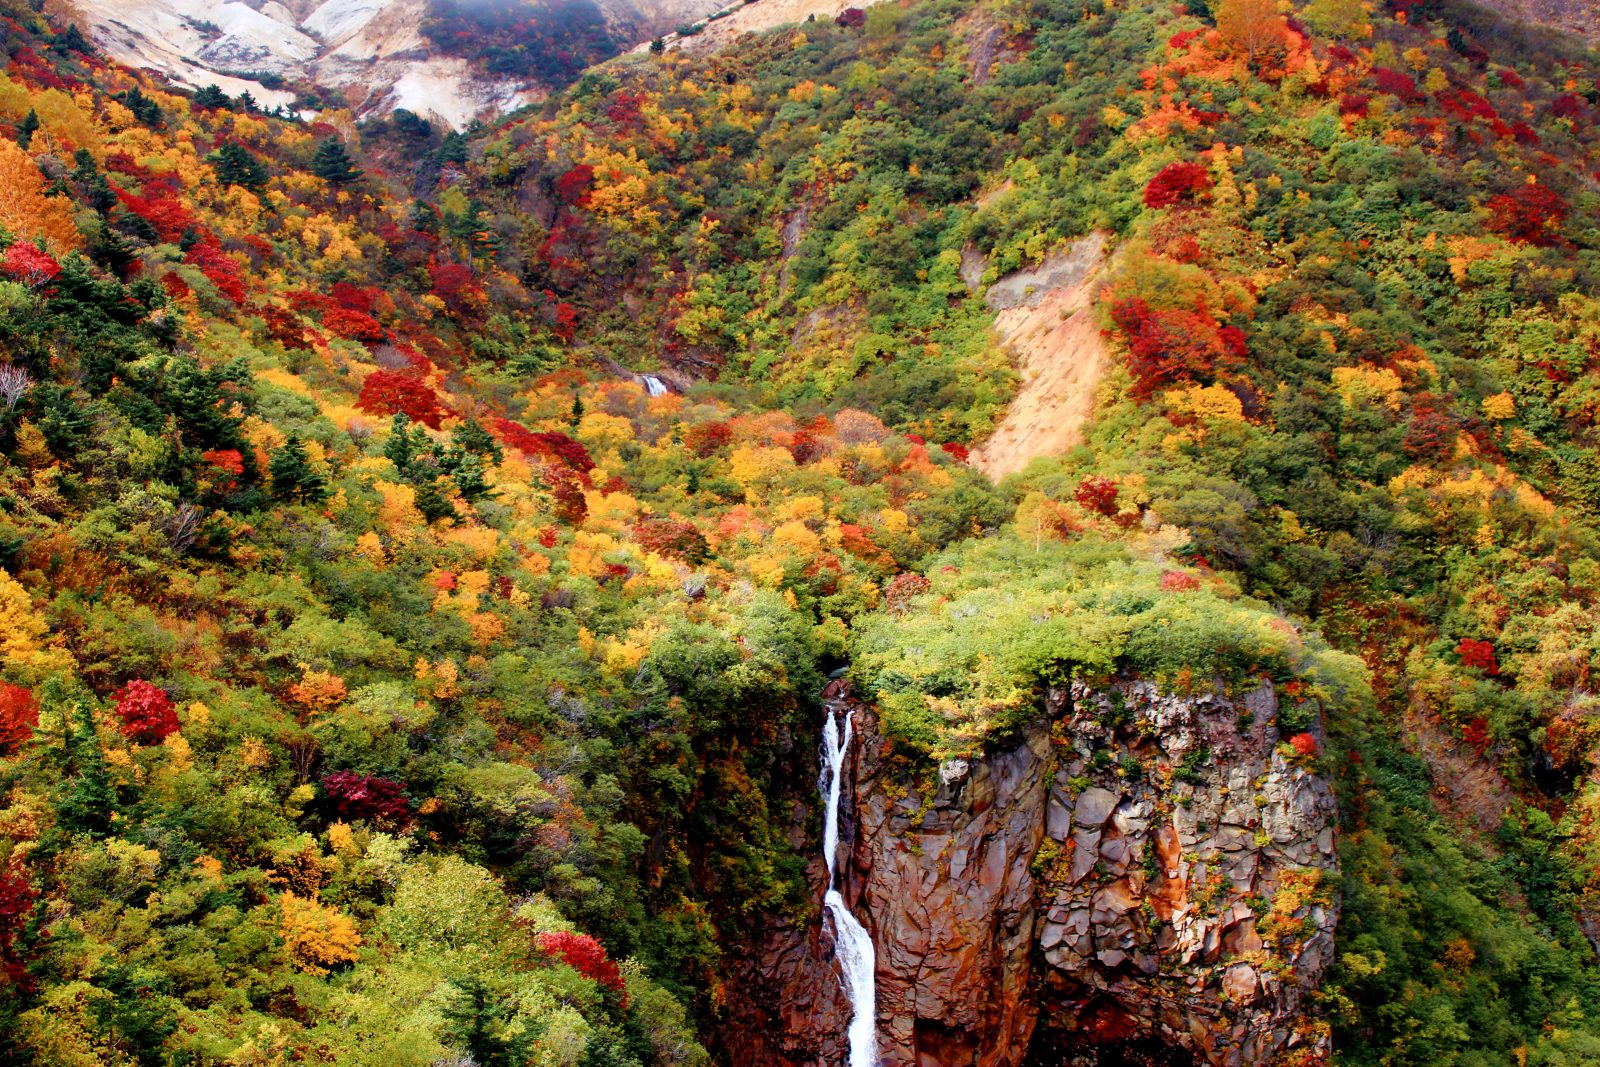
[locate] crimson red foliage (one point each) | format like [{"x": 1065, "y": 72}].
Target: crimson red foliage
[
  {"x": 624, "y": 108},
  {"x": 1178, "y": 183},
  {"x": 551, "y": 445},
  {"x": 353, "y": 325},
  {"x": 221, "y": 269},
  {"x": 805, "y": 447},
  {"x": 1097, "y": 494},
  {"x": 956, "y": 450},
  {"x": 1532, "y": 214},
  {"x": 362, "y": 298},
  {"x": 851, "y": 17},
  {"x": 29, "y": 265},
  {"x": 16, "y": 904},
  {"x": 1477, "y": 734},
  {"x": 19, "y": 714},
  {"x": 674, "y": 538},
  {"x": 146, "y": 712},
  {"x": 366, "y": 796},
  {"x": 1353, "y": 104},
  {"x": 1510, "y": 79},
  {"x": 160, "y": 208},
  {"x": 1304, "y": 744},
  {"x": 573, "y": 186},
  {"x": 1479, "y": 654},
  {"x": 1567, "y": 106},
  {"x": 1395, "y": 83},
  {"x": 1172, "y": 345},
  {"x": 1525, "y": 134},
  {"x": 583, "y": 954},
  {"x": 389, "y": 392},
  {"x": 454, "y": 284}
]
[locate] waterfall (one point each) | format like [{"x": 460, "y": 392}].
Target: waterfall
[
  {"x": 851, "y": 943},
  {"x": 653, "y": 385}
]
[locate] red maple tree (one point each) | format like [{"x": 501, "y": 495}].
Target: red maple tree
[
  {"x": 19, "y": 714},
  {"x": 146, "y": 712}
]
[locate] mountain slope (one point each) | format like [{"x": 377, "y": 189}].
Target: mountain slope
[{"x": 391, "y": 672}]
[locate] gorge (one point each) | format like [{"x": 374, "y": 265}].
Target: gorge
[{"x": 1039, "y": 905}]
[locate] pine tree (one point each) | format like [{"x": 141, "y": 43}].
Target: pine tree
[
  {"x": 90, "y": 798},
  {"x": 576, "y": 415},
  {"x": 332, "y": 163},
  {"x": 92, "y": 184},
  {"x": 212, "y": 98},
  {"x": 454, "y": 149},
  {"x": 27, "y": 128},
  {"x": 71, "y": 41},
  {"x": 477, "y": 1022},
  {"x": 293, "y": 477},
  {"x": 401, "y": 448},
  {"x": 470, "y": 436},
  {"x": 235, "y": 165}
]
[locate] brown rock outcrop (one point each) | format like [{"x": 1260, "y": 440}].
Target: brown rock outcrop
[{"x": 1135, "y": 879}]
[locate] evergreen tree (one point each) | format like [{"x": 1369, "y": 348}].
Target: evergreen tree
[
  {"x": 424, "y": 218},
  {"x": 27, "y": 128},
  {"x": 71, "y": 41},
  {"x": 454, "y": 149},
  {"x": 247, "y": 102},
  {"x": 332, "y": 163},
  {"x": 144, "y": 109},
  {"x": 576, "y": 416},
  {"x": 478, "y": 1022},
  {"x": 212, "y": 98},
  {"x": 236, "y": 165},
  {"x": 293, "y": 477},
  {"x": 90, "y": 798},
  {"x": 92, "y": 184},
  {"x": 470, "y": 436},
  {"x": 402, "y": 448}
]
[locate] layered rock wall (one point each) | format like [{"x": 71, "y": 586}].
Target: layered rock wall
[{"x": 1134, "y": 879}]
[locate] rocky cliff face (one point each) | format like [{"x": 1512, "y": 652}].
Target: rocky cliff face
[{"x": 1136, "y": 879}]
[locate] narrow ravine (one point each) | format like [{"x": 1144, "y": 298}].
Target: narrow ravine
[{"x": 852, "y": 944}]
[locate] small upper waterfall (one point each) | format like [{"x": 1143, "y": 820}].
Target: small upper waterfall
[
  {"x": 852, "y": 944},
  {"x": 653, "y": 385}
]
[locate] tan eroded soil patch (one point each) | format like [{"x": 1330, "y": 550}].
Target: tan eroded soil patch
[{"x": 1046, "y": 319}]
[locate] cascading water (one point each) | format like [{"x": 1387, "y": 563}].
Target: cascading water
[{"x": 852, "y": 944}]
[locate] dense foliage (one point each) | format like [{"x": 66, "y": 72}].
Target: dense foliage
[{"x": 385, "y": 675}]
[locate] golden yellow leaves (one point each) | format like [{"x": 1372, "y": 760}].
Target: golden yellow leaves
[
  {"x": 23, "y": 633},
  {"x": 1499, "y": 407},
  {"x": 1366, "y": 384},
  {"x": 317, "y": 937}
]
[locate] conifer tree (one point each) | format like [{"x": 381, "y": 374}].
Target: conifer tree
[
  {"x": 332, "y": 163},
  {"x": 212, "y": 98},
  {"x": 90, "y": 798},
  {"x": 236, "y": 165},
  {"x": 293, "y": 477},
  {"x": 27, "y": 128}
]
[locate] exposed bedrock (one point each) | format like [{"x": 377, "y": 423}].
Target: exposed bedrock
[{"x": 1135, "y": 879}]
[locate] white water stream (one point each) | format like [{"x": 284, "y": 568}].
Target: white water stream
[{"x": 852, "y": 944}]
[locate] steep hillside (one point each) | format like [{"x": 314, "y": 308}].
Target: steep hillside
[{"x": 422, "y": 557}]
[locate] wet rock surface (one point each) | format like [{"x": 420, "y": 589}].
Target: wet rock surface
[{"x": 1134, "y": 879}]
